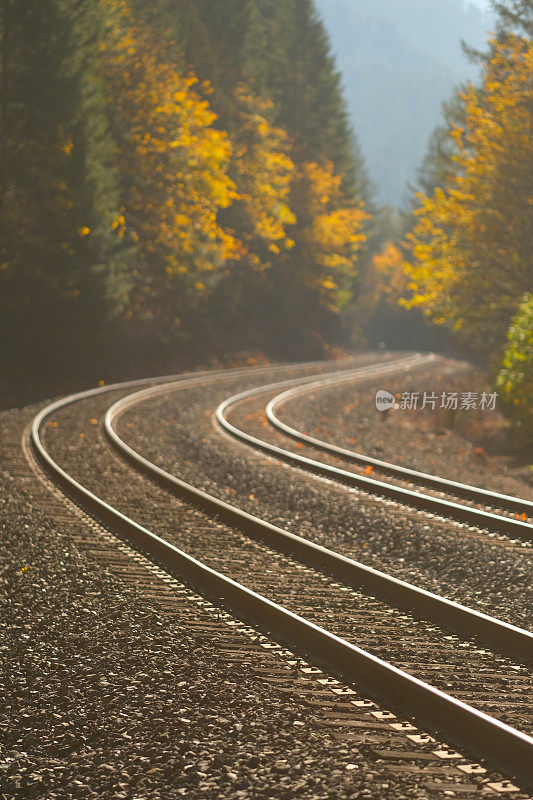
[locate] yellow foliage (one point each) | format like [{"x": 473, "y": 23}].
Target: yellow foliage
[
  {"x": 388, "y": 268},
  {"x": 195, "y": 201},
  {"x": 470, "y": 249},
  {"x": 263, "y": 172},
  {"x": 330, "y": 232},
  {"x": 175, "y": 163}
]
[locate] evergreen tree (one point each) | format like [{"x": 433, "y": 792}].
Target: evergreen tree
[
  {"x": 514, "y": 15},
  {"x": 281, "y": 49},
  {"x": 437, "y": 163},
  {"x": 131, "y": 185},
  {"x": 61, "y": 264}
]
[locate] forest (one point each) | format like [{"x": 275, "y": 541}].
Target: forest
[{"x": 180, "y": 180}]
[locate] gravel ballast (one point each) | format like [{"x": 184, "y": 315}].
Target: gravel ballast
[
  {"x": 485, "y": 679},
  {"x": 104, "y": 695},
  {"x": 177, "y": 432},
  {"x": 108, "y": 695}
]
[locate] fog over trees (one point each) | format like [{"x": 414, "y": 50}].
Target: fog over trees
[{"x": 399, "y": 61}]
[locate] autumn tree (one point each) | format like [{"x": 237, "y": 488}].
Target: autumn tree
[
  {"x": 177, "y": 167},
  {"x": 470, "y": 250},
  {"x": 313, "y": 284},
  {"x": 174, "y": 168},
  {"x": 282, "y": 52},
  {"x": 262, "y": 170},
  {"x": 275, "y": 129},
  {"x": 515, "y": 378}
]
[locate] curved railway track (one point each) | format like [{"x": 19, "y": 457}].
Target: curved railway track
[
  {"x": 505, "y": 745},
  {"x": 470, "y": 514},
  {"x": 495, "y": 500}
]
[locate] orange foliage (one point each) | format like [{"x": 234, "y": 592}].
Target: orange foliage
[
  {"x": 330, "y": 232},
  {"x": 471, "y": 245},
  {"x": 196, "y": 200},
  {"x": 173, "y": 160},
  {"x": 263, "y": 172},
  {"x": 389, "y": 270}
]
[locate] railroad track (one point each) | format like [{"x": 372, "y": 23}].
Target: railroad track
[
  {"x": 438, "y": 503},
  {"x": 326, "y": 641},
  {"x": 495, "y": 500}
]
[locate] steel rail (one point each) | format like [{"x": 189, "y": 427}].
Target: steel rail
[
  {"x": 508, "y": 748},
  {"x": 495, "y": 499},
  {"x": 514, "y": 528},
  {"x": 457, "y": 617}
]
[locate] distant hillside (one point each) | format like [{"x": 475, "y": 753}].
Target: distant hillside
[{"x": 400, "y": 59}]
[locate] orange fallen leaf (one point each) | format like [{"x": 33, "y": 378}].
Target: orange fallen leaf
[
  {"x": 251, "y": 497},
  {"x": 93, "y": 421},
  {"x": 369, "y": 470}
]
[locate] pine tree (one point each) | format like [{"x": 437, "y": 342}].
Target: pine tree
[
  {"x": 297, "y": 70},
  {"x": 514, "y": 15},
  {"x": 281, "y": 49},
  {"x": 134, "y": 187},
  {"x": 61, "y": 264}
]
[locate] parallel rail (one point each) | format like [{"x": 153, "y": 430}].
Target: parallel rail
[
  {"x": 507, "y": 747},
  {"x": 515, "y": 528},
  {"x": 475, "y": 493},
  {"x": 428, "y": 605}
]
